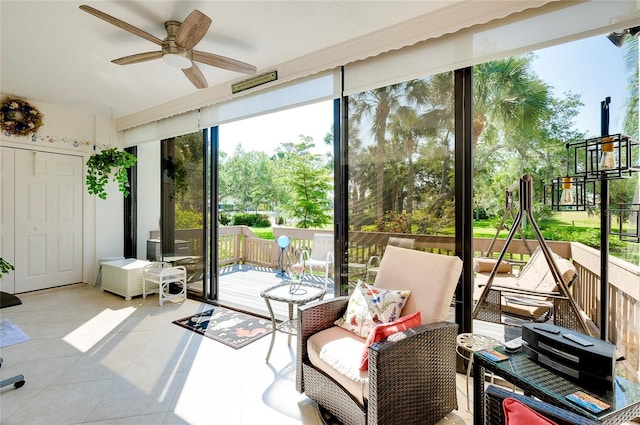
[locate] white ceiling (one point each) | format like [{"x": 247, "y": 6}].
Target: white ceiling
[{"x": 53, "y": 52}]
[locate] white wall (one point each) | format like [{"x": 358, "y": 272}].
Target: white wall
[
  {"x": 148, "y": 193},
  {"x": 75, "y": 132}
]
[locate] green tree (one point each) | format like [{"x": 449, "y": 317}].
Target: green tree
[
  {"x": 187, "y": 171},
  {"x": 519, "y": 127},
  {"x": 309, "y": 180},
  {"x": 248, "y": 179}
]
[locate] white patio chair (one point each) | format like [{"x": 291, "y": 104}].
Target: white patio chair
[{"x": 321, "y": 254}]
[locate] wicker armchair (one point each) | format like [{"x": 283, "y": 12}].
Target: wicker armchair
[
  {"x": 411, "y": 377},
  {"x": 494, "y": 413}
]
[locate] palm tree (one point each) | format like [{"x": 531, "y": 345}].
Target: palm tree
[
  {"x": 510, "y": 103},
  {"x": 378, "y": 105},
  {"x": 505, "y": 91}
]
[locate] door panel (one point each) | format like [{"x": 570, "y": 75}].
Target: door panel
[
  {"x": 7, "y": 283},
  {"x": 48, "y": 239}
]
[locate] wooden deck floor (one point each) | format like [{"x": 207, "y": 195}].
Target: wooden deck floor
[{"x": 240, "y": 287}]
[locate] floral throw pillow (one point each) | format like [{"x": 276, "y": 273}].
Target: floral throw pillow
[{"x": 369, "y": 306}]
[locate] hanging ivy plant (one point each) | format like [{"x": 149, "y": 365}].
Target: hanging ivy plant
[
  {"x": 5, "y": 267},
  {"x": 102, "y": 165}
]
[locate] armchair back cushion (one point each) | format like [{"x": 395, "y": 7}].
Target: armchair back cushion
[{"x": 413, "y": 270}]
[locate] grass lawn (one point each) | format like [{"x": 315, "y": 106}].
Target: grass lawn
[
  {"x": 569, "y": 225},
  {"x": 263, "y": 232},
  {"x": 578, "y": 218}
]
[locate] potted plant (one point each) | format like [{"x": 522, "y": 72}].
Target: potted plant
[
  {"x": 5, "y": 267},
  {"x": 101, "y": 165}
]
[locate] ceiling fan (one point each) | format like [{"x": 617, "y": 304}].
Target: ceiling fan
[{"x": 177, "y": 47}]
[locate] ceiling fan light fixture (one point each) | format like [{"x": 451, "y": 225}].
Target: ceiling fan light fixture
[
  {"x": 177, "y": 47},
  {"x": 177, "y": 60}
]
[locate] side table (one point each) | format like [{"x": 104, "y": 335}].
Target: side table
[
  {"x": 157, "y": 277},
  {"x": 538, "y": 381},
  {"x": 469, "y": 343},
  {"x": 292, "y": 293}
]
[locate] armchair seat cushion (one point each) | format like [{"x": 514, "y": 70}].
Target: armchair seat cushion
[{"x": 338, "y": 353}]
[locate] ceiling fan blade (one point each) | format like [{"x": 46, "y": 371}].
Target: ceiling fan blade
[
  {"x": 125, "y": 26},
  {"x": 193, "y": 29},
  {"x": 223, "y": 62},
  {"x": 195, "y": 76},
  {"x": 137, "y": 58}
]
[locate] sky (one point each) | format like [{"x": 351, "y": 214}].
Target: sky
[
  {"x": 266, "y": 132},
  {"x": 592, "y": 67}
]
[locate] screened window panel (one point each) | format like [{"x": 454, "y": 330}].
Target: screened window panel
[{"x": 401, "y": 170}]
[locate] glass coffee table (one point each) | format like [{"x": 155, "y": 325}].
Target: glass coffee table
[
  {"x": 292, "y": 293},
  {"x": 546, "y": 385}
]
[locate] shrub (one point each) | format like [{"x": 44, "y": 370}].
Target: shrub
[
  {"x": 188, "y": 219},
  {"x": 224, "y": 218},
  {"x": 251, "y": 220},
  {"x": 262, "y": 220}
]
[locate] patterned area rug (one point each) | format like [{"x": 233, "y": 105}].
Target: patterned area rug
[{"x": 229, "y": 327}]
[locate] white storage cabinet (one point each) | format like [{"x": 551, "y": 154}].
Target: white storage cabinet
[{"x": 123, "y": 277}]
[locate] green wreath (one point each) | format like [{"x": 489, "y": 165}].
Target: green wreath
[{"x": 18, "y": 118}]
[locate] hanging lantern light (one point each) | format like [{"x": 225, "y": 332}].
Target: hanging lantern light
[
  {"x": 567, "y": 198},
  {"x": 607, "y": 158}
]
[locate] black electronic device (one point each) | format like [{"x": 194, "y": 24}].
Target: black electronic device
[{"x": 587, "y": 360}]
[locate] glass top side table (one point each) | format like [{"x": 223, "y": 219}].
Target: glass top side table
[
  {"x": 551, "y": 387},
  {"x": 469, "y": 343},
  {"x": 292, "y": 293}
]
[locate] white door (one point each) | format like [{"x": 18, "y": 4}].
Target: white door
[
  {"x": 48, "y": 220},
  {"x": 7, "y": 283}
]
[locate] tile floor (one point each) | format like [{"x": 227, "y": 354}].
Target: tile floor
[{"x": 94, "y": 358}]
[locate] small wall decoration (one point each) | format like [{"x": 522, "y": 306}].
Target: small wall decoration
[{"x": 18, "y": 117}]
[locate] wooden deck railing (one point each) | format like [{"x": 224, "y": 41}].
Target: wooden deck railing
[
  {"x": 624, "y": 298},
  {"x": 238, "y": 244}
]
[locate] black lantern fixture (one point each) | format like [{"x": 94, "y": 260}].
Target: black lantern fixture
[
  {"x": 608, "y": 156},
  {"x": 628, "y": 222},
  {"x": 598, "y": 159},
  {"x": 570, "y": 193}
]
